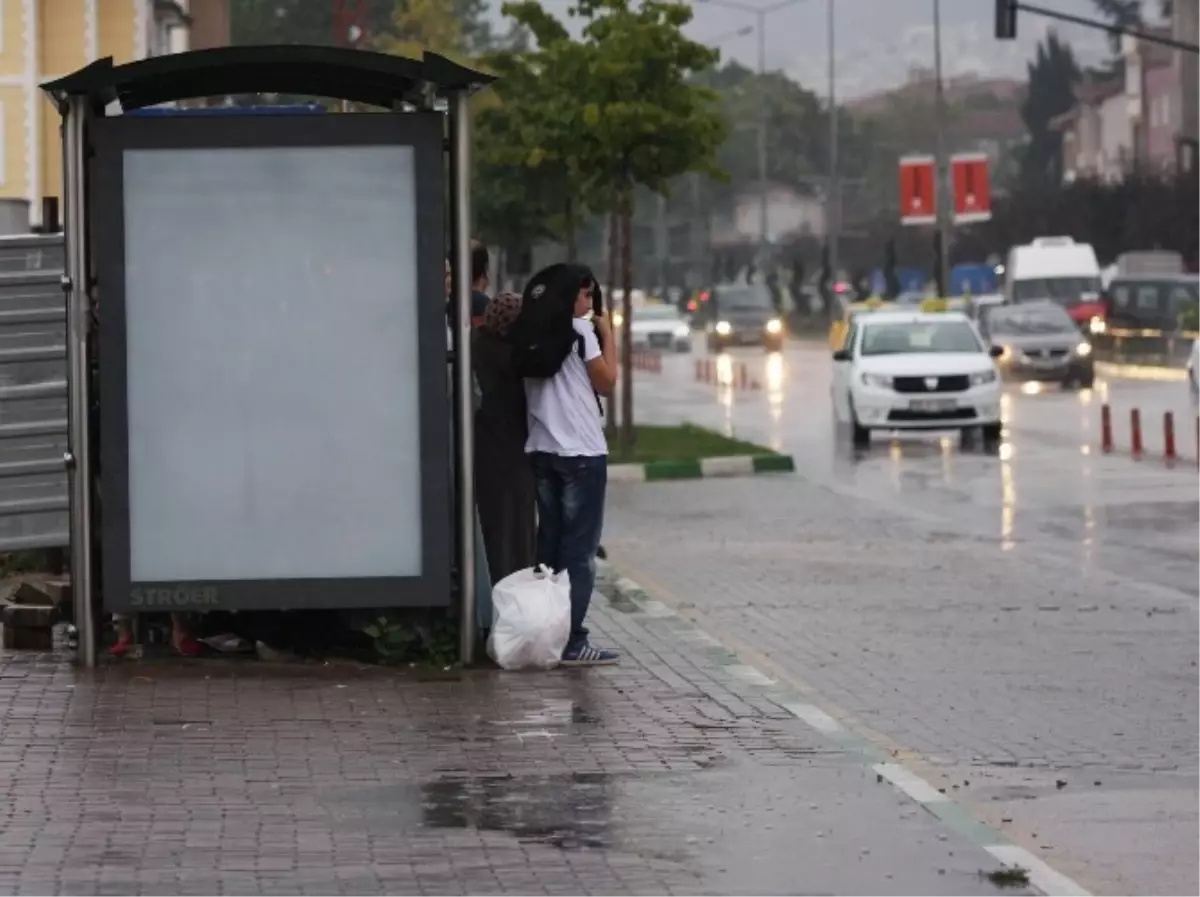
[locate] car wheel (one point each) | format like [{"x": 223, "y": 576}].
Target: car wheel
[
  {"x": 991, "y": 433},
  {"x": 860, "y": 436},
  {"x": 1087, "y": 382}
]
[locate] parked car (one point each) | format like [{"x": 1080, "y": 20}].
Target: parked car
[
  {"x": 661, "y": 327},
  {"x": 1039, "y": 342},
  {"x": 744, "y": 315}
]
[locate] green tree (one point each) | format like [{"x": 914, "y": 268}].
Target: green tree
[
  {"x": 1052, "y": 78},
  {"x": 312, "y": 21},
  {"x": 537, "y": 128},
  {"x": 645, "y": 122},
  {"x": 1123, "y": 13}
]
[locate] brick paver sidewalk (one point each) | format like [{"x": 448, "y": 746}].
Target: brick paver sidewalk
[{"x": 662, "y": 775}]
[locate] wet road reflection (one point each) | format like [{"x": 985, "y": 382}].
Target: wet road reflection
[{"x": 1046, "y": 485}]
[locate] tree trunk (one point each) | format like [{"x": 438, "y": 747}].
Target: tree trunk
[
  {"x": 569, "y": 236},
  {"x": 627, "y": 432},
  {"x": 614, "y": 244}
]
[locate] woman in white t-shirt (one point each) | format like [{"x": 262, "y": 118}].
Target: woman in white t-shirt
[{"x": 570, "y": 465}]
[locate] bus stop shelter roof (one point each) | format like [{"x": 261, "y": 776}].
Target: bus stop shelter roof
[{"x": 358, "y": 76}]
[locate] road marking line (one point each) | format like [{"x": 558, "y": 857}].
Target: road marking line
[
  {"x": 910, "y": 783},
  {"x": 749, "y": 674},
  {"x": 815, "y": 717},
  {"x": 1042, "y": 876}
]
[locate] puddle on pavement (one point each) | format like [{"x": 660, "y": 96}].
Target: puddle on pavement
[{"x": 572, "y": 811}]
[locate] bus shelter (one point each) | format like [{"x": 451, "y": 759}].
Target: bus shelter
[{"x": 257, "y": 348}]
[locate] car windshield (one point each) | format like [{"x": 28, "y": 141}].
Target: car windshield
[
  {"x": 884, "y": 338},
  {"x": 1019, "y": 321},
  {"x": 1066, "y": 291},
  {"x": 752, "y": 296},
  {"x": 656, "y": 313}
]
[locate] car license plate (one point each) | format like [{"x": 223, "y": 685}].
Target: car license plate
[{"x": 932, "y": 406}]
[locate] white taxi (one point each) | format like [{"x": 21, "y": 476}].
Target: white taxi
[{"x": 911, "y": 370}]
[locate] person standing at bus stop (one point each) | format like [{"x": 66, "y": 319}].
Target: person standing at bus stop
[{"x": 570, "y": 460}]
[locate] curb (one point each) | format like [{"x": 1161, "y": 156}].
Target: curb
[
  {"x": 626, "y": 595},
  {"x": 704, "y": 468},
  {"x": 1141, "y": 372}
]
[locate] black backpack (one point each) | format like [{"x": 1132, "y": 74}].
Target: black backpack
[{"x": 543, "y": 335}]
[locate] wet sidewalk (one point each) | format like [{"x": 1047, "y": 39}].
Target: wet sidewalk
[{"x": 667, "y": 774}]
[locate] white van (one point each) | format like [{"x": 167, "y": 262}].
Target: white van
[{"x": 1062, "y": 271}]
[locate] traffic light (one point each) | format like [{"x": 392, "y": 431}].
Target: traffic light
[{"x": 1006, "y": 19}]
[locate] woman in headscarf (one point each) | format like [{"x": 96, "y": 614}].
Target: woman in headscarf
[{"x": 504, "y": 489}]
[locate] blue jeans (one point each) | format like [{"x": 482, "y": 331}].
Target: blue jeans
[{"x": 570, "y": 504}]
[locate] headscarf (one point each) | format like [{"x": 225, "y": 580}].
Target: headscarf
[{"x": 501, "y": 312}]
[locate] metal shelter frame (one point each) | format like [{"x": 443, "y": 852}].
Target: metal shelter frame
[{"x": 394, "y": 83}]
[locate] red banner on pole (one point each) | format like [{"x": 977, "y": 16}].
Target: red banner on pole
[
  {"x": 972, "y": 191},
  {"x": 918, "y": 191}
]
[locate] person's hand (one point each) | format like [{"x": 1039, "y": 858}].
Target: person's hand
[{"x": 602, "y": 323}]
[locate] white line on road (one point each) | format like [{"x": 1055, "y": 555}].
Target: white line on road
[
  {"x": 815, "y": 717},
  {"x": 749, "y": 674},
  {"x": 910, "y": 783},
  {"x": 1041, "y": 876}
]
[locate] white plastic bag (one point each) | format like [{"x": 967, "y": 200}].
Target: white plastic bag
[{"x": 531, "y": 619}]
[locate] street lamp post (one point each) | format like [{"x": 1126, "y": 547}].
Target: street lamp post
[
  {"x": 943, "y": 180},
  {"x": 760, "y": 17},
  {"x": 833, "y": 198}
]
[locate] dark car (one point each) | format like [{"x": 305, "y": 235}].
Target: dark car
[
  {"x": 1040, "y": 342},
  {"x": 743, "y": 315},
  {"x": 1152, "y": 302}
]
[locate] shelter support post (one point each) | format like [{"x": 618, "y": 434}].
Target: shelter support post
[
  {"x": 460, "y": 198},
  {"x": 78, "y": 459}
]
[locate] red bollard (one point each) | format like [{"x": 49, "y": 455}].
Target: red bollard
[
  {"x": 742, "y": 376},
  {"x": 699, "y": 370},
  {"x": 708, "y": 370},
  {"x": 1135, "y": 433},
  {"x": 1106, "y": 440},
  {"x": 1169, "y": 437}
]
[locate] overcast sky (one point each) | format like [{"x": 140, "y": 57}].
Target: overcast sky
[{"x": 877, "y": 41}]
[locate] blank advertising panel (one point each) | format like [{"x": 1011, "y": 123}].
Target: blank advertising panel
[{"x": 271, "y": 352}]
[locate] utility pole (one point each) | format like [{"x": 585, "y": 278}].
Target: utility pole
[
  {"x": 942, "y": 192},
  {"x": 833, "y": 201},
  {"x": 763, "y": 222}
]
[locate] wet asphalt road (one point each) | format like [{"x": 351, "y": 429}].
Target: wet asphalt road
[
  {"x": 1049, "y": 482},
  {"x": 1025, "y": 621}
]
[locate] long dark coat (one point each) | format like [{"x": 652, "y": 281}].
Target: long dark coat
[{"x": 505, "y": 493}]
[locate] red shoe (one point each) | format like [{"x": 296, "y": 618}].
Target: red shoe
[{"x": 123, "y": 646}]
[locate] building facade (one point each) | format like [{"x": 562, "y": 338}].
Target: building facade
[{"x": 41, "y": 40}]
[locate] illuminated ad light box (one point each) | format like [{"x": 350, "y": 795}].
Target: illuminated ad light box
[{"x": 274, "y": 420}]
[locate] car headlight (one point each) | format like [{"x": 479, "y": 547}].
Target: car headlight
[
  {"x": 682, "y": 331},
  {"x": 877, "y": 380},
  {"x": 1096, "y": 325},
  {"x": 724, "y": 328},
  {"x": 983, "y": 377},
  {"x": 774, "y": 326},
  {"x": 1084, "y": 349}
]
